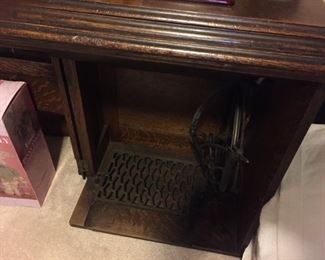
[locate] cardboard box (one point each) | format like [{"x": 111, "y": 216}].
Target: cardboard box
[{"x": 26, "y": 167}]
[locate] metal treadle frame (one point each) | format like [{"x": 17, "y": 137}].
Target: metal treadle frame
[
  {"x": 144, "y": 180},
  {"x": 154, "y": 195}
]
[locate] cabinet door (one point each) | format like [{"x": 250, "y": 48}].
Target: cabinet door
[
  {"x": 75, "y": 83},
  {"x": 37, "y": 71}
]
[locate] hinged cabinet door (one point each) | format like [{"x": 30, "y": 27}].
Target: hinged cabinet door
[{"x": 81, "y": 117}]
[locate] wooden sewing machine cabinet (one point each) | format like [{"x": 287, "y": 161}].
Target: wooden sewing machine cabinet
[{"x": 128, "y": 77}]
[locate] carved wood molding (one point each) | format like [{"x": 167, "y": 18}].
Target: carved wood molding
[{"x": 233, "y": 43}]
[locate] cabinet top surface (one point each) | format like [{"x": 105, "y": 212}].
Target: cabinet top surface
[
  {"x": 273, "y": 35},
  {"x": 303, "y": 12}
]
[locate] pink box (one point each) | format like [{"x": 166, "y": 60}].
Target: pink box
[{"x": 26, "y": 167}]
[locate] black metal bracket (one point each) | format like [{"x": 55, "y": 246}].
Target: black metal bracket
[{"x": 221, "y": 155}]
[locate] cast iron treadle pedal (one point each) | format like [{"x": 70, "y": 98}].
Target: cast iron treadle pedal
[{"x": 144, "y": 180}]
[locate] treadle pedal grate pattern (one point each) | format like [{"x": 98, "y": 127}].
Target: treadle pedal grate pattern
[{"x": 143, "y": 181}]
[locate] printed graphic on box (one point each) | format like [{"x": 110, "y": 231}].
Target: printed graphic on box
[
  {"x": 26, "y": 167},
  {"x": 21, "y": 123},
  {"x": 12, "y": 184}
]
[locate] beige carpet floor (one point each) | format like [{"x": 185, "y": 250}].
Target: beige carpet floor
[{"x": 45, "y": 234}]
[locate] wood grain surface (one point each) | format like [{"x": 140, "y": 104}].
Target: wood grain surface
[
  {"x": 42, "y": 82},
  {"x": 257, "y": 37}
]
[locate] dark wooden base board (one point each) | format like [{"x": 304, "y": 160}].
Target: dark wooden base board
[{"x": 106, "y": 205}]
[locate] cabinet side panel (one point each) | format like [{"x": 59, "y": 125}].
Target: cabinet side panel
[{"x": 282, "y": 115}]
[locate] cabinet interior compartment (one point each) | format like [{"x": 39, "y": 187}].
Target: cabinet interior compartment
[{"x": 148, "y": 183}]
